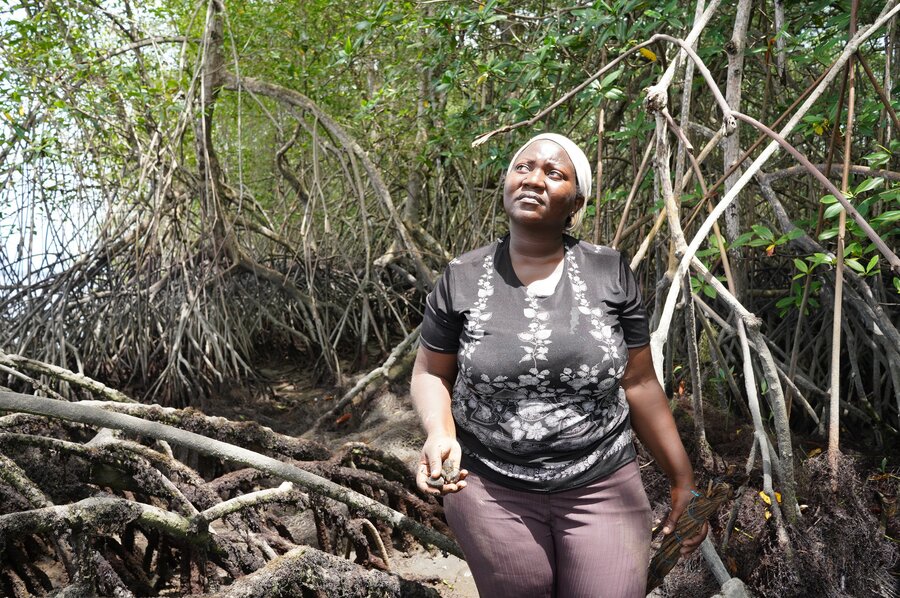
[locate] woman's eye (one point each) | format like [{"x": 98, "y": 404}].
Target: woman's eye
[{"x": 522, "y": 168}]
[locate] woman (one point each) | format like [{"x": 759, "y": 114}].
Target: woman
[{"x": 533, "y": 370}]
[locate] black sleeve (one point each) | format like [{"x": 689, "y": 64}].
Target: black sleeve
[
  {"x": 632, "y": 315},
  {"x": 442, "y": 325}
]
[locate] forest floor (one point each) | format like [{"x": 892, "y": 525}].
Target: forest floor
[
  {"x": 384, "y": 420},
  {"x": 846, "y": 544}
]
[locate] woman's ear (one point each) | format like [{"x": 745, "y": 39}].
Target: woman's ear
[{"x": 579, "y": 201}]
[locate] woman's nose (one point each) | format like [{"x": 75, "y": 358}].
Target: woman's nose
[{"x": 534, "y": 178}]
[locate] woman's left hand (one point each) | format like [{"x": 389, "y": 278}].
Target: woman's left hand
[{"x": 681, "y": 498}]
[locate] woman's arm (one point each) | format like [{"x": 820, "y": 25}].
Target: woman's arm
[
  {"x": 432, "y": 382},
  {"x": 652, "y": 421}
]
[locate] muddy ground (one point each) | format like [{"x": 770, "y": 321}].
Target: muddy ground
[{"x": 845, "y": 545}]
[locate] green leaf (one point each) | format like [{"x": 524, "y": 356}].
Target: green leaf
[
  {"x": 890, "y": 216},
  {"x": 890, "y": 194},
  {"x": 868, "y": 184},
  {"x": 853, "y": 263},
  {"x": 828, "y": 234},
  {"x": 872, "y": 263},
  {"x": 785, "y": 302},
  {"x": 763, "y": 232},
  {"x": 833, "y": 210},
  {"x": 742, "y": 240},
  {"x": 801, "y": 265},
  {"x": 695, "y": 284},
  {"x": 817, "y": 259},
  {"x": 608, "y": 79},
  {"x": 708, "y": 252},
  {"x": 863, "y": 206},
  {"x": 709, "y": 291},
  {"x": 828, "y": 199},
  {"x": 877, "y": 159}
]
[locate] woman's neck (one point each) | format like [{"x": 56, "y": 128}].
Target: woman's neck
[
  {"x": 534, "y": 257},
  {"x": 535, "y": 247}
]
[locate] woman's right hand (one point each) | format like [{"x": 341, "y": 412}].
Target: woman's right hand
[{"x": 437, "y": 450}]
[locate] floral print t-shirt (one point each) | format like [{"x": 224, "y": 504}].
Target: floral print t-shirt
[{"x": 537, "y": 401}]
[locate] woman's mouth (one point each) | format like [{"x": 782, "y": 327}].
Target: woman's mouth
[{"x": 528, "y": 198}]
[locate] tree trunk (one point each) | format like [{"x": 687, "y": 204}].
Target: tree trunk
[{"x": 732, "y": 143}]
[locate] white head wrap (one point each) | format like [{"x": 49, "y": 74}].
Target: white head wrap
[{"x": 582, "y": 165}]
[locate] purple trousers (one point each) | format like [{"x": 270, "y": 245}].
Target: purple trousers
[{"x": 590, "y": 542}]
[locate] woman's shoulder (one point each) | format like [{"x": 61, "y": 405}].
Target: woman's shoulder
[
  {"x": 475, "y": 257},
  {"x": 597, "y": 255}
]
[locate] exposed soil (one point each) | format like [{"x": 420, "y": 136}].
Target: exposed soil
[{"x": 383, "y": 419}]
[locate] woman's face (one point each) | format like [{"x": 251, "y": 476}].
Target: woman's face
[{"x": 540, "y": 190}]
